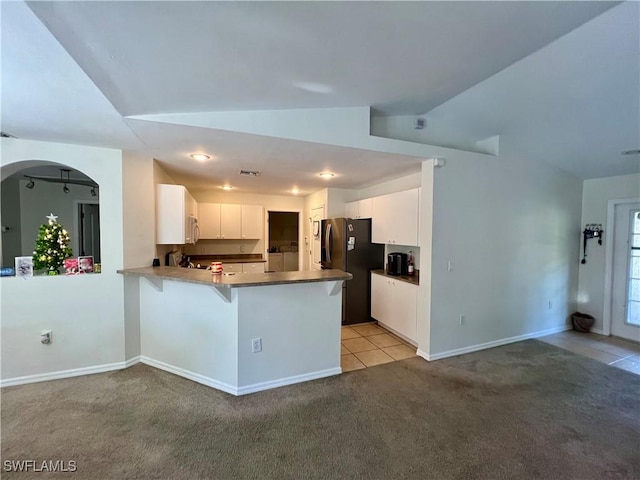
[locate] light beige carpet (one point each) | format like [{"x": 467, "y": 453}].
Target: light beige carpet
[{"x": 522, "y": 411}]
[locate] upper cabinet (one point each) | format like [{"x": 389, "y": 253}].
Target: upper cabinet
[
  {"x": 359, "y": 208},
  {"x": 209, "y": 220},
  {"x": 395, "y": 218},
  {"x": 231, "y": 221},
  {"x": 176, "y": 215},
  {"x": 252, "y": 221}
]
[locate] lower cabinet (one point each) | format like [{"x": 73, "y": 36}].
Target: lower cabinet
[
  {"x": 394, "y": 304},
  {"x": 257, "y": 267},
  {"x": 232, "y": 267},
  {"x": 253, "y": 267}
]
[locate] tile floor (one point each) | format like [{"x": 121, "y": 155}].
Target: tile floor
[
  {"x": 614, "y": 351},
  {"x": 368, "y": 344}
]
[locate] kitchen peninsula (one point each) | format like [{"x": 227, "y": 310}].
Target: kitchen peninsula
[{"x": 240, "y": 333}]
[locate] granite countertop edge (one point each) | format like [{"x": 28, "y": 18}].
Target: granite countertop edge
[
  {"x": 238, "y": 280},
  {"x": 415, "y": 279}
]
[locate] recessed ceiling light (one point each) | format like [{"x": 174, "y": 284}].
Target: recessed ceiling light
[
  {"x": 326, "y": 174},
  {"x": 295, "y": 190},
  {"x": 635, "y": 151},
  {"x": 226, "y": 187},
  {"x": 201, "y": 157}
]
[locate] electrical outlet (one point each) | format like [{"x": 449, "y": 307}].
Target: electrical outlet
[
  {"x": 550, "y": 304},
  {"x": 45, "y": 337},
  {"x": 256, "y": 345},
  {"x": 461, "y": 319}
]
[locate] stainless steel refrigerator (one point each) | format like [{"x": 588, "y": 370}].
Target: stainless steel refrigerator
[{"x": 346, "y": 245}]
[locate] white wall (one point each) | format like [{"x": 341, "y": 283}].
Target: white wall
[
  {"x": 139, "y": 214},
  {"x": 85, "y": 312},
  {"x": 392, "y": 186},
  {"x": 596, "y": 195},
  {"x": 138, "y": 222},
  {"x": 509, "y": 226},
  {"x": 423, "y": 258}
]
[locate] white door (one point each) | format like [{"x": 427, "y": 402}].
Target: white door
[
  {"x": 317, "y": 215},
  {"x": 625, "y": 300}
]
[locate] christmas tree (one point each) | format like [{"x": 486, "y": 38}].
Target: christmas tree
[{"x": 52, "y": 246}]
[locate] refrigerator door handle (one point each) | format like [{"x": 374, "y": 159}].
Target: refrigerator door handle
[{"x": 327, "y": 240}]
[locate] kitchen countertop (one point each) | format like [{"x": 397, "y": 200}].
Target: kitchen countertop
[
  {"x": 415, "y": 279},
  {"x": 193, "y": 275}
]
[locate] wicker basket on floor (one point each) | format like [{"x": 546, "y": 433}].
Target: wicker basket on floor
[{"x": 582, "y": 322}]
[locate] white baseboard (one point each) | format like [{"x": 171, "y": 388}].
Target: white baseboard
[
  {"x": 492, "y": 344},
  {"x": 76, "y": 372},
  {"x": 132, "y": 361},
  {"x": 196, "y": 377},
  {"x": 281, "y": 382},
  {"x": 597, "y": 331},
  {"x": 233, "y": 390}
]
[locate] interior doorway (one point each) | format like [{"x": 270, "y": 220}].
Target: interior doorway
[
  {"x": 283, "y": 241},
  {"x": 89, "y": 230}
]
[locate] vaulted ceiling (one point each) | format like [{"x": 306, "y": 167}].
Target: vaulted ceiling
[{"x": 560, "y": 78}]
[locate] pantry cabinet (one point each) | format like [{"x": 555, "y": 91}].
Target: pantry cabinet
[
  {"x": 394, "y": 304},
  {"x": 395, "y": 218},
  {"x": 220, "y": 221},
  {"x": 176, "y": 215},
  {"x": 359, "y": 208}
]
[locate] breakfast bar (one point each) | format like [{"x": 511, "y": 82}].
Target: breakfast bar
[{"x": 242, "y": 332}]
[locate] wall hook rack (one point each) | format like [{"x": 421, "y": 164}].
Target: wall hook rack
[{"x": 592, "y": 230}]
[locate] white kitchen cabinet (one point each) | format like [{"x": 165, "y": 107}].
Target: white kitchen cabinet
[
  {"x": 351, "y": 210},
  {"x": 176, "y": 211},
  {"x": 257, "y": 267},
  {"x": 252, "y": 221},
  {"x": 209, "y": 221},
  {"x": 395, "y": 218},
  {"x": 231, "y": 267},
  {"x": 359, "y": 208},
  {"x": 394, "y": 304},
  {"x": 230, "y": 221}
]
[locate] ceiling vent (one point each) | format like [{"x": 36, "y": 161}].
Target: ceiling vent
[
  {"x": 250, "y": 173},
  {"x": 6, "y": 135}
]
